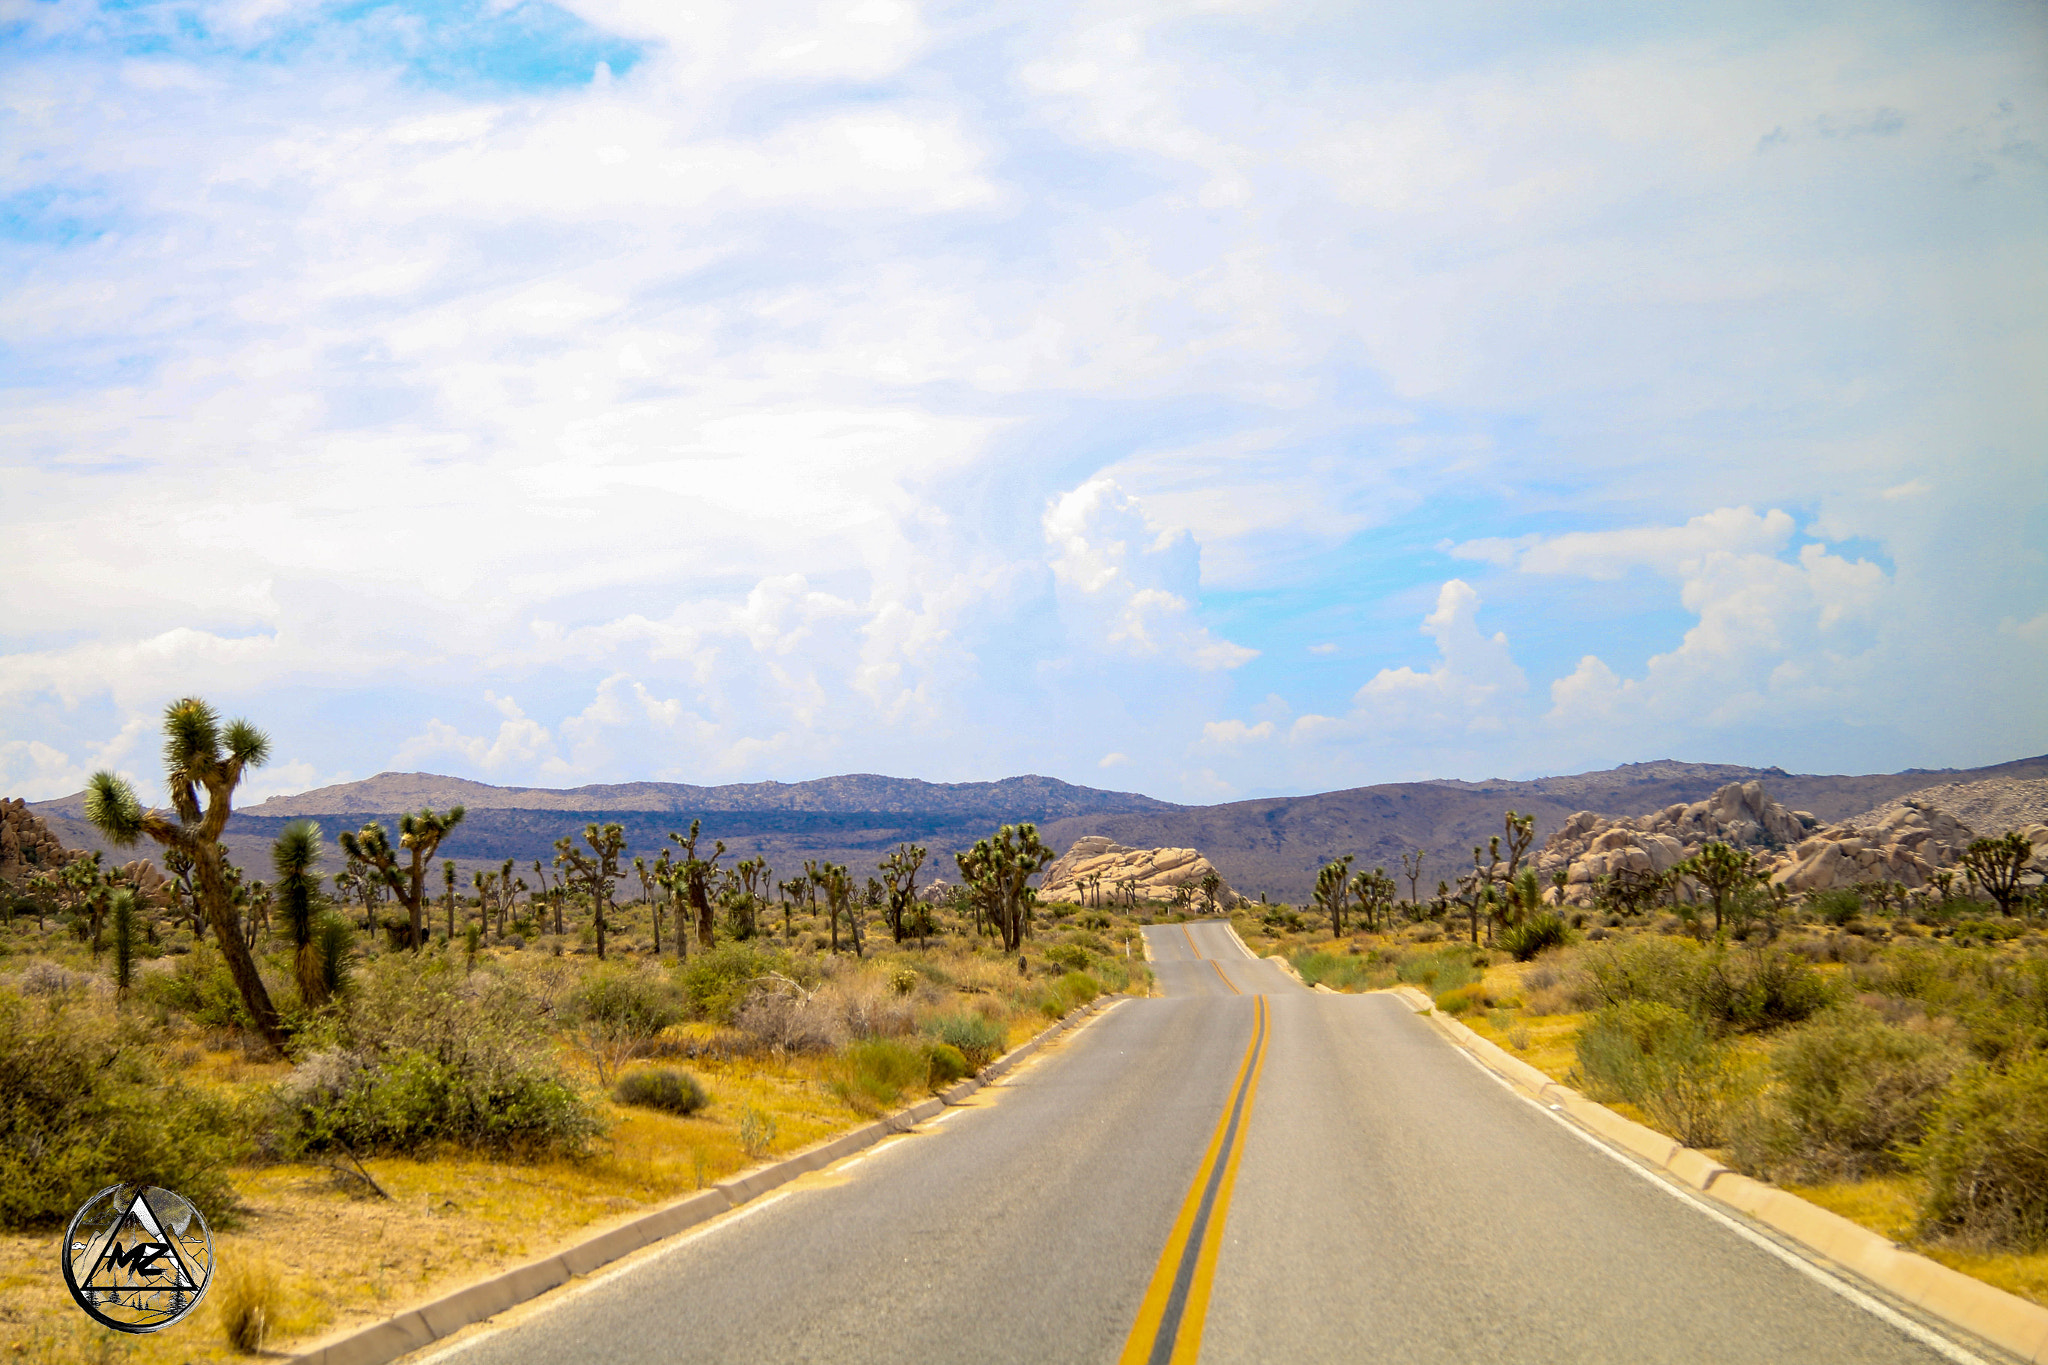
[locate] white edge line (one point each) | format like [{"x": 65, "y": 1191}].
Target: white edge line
[{"x": 1882, "y": 1311}]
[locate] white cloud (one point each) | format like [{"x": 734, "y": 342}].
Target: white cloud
[
  {"x": 1113, "y": 760},
  {"x": 1118, "y": 578}
]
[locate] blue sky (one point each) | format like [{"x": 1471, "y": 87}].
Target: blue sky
[{"x": 1210, "y": 400}]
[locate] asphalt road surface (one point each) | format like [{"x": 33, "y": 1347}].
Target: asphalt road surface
[{"x": 1241, "y": 1168}]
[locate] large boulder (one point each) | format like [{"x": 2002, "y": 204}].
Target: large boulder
[{"x": 1153, "y": 874}]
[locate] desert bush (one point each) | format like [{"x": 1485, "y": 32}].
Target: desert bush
[
  {"x": 84, "y": 1103},
  {"x": 1849, "y": 1096},
  {"x": 1641, "y": 967},
  {"x": 1070, "y": 992},
  {"x": 946, "y": 1065},
  {"x": 623, "y": 1003},
  {"x": 1837, "y": 907},
  {"x": 1753, "y": 991},
  {"x": 877, "y": 1071},
  {"x": 979, "y": 1040},
  {"x": 782, "y": 1021},
  {"x": 1534, "y": 935},
  {"x": 249, "y": 1299},
  {"x": 1438, "y": 969},
  {"x": 2000, "y": 1003},
  {"x": 1985, "y": 1158},
  {"x": 1072, "y": 956},
  {"x": 718, "y": 982},
  {"x": 1341, "y": 971},
  {"x": 663, "y": 1088},
  {"x": 1662, "y": 1059},
  {"x": 200, "y": 988},
  {"x": 429, "y": 1054}
]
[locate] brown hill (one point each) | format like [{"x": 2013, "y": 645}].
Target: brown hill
[{"x": 1270, "y": 846}]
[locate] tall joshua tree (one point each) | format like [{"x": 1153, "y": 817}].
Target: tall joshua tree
[
  {"x": 420, "y": 835},
  {"x": 899, "y": 873},
  {"x": 299, "y": 900},
  {"x": 1000, "y": 870},
  {"x": 1333, "y": 888},
  {"x": 696, "y": 874},
  {"x": 597, "y": 871},
  {"x": 200, "y": 755}
]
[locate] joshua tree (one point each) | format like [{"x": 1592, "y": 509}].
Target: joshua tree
[
  {"x": 298, "y": 892},
  {"x": 597, "y": 871},
  {"x": 448, "y": 895},
  {"x": 837, "y": 884},
  {"x": 696, "y": 873},
  {"x": 1000, "y": 870},
  {"x": 648, "y": 875},
  {"x": 1374, "y": 891},
  {"x": 420, "y": 835},
  {"x": 1721, "y": 870},
  {"x": 1411, "y": 868},
  {"x": 1997, "y": 865},
  {"x": 899, "y": 871},
  {"x": 124, "y": 941},
  {"x": 1333, "y": 888},
  {"x": 1212, "y": 882},
  {"x": 200, "y": 754},
  {"x": 1521, "y": 829}
]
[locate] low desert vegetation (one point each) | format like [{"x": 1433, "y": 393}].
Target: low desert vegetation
[
  {"x": 357, "y": 1044},
  {"x": 1884, "y": 1053}
]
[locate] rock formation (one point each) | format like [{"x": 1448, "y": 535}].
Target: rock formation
[
  {"x": 1906, "y": 842},
  {"x": 26, "y": 844},
  {"x": 1156, "y": 873}
]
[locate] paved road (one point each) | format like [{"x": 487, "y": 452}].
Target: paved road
[{"x": 1242, "y": 1168}]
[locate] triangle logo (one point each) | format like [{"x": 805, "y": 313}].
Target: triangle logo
[{"x": 151, "y": 1260}]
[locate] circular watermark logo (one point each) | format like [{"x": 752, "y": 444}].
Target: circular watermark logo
[{"x": 137, "y": 1258}]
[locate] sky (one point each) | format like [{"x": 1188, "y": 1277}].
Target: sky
[{"x": 1212, "y": 400}]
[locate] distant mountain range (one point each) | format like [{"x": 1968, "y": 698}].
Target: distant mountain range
[{"x": 1270, "y": 846}]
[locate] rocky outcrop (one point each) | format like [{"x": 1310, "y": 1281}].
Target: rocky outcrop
[
  {"x": 1907, "y": 842},
  {"x": 1589, "y": 846},
  {"x": 26, "y": 844},
  {"x": 1154, "y": 874}
]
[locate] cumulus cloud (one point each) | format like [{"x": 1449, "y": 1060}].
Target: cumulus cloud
[
  {"x": 1472, "y": 689},
  {"x": 1127, "y": 585}
]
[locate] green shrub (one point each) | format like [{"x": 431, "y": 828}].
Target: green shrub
[
  {"x": 427, "y": 1055},
  {"x": 1837, "y": 907},
  {"x": 979, "y": 1040},
  {"x": 200, "y": 988},
  {"x": 1753, "y": 991},
  {"x": 625, "y": 1003},
  {"x": 879, "y": 1070},
  {"x": 1649, "y": 968},
  {"x": 1662, "y": 1059},
  {"x": 1072, "y": 956},
  {"x": 718, "y": 982},
  {"x": 1341, "y": 971},
  {"x": 1438, "y": 969},
  {"x": 1462, "y": 999},
  {"x": 1850, "y": 1095},
  {"x": 947, "y": 1064},
  {"x": 84, "y": 1104},
  {"x": 1985, "y": 1158},
  {"x": 1534, "y": 935},
  {"x": 1070, "y": 992},
  {"x": 671, "y": 1091}
]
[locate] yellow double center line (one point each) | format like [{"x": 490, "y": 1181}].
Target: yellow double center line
[
  {"x": 1210, "y": 960},
  {"x": 1169, "y": 1326}
]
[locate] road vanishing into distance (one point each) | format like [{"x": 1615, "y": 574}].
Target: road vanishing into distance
[{"x": 1243, "y": 1169}]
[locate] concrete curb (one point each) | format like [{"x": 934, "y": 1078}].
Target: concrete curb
[
  {"x": 2004, "y": 1320},
  {"x": 422, "y": 1326}
]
